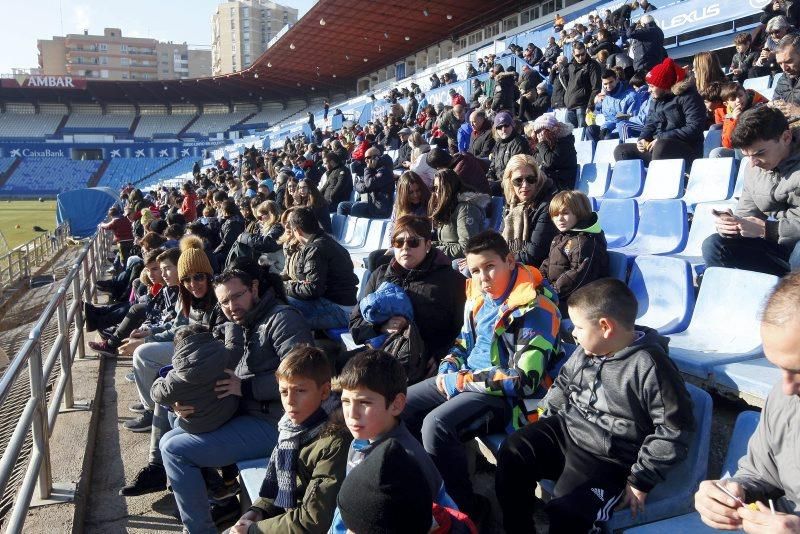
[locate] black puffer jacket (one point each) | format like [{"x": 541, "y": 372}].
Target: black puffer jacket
[
  {"x": 577, "y": 257},
  {"x": 378, "y": 183},
  {"x": 788, "y": 89},
  {"x": 679, "y": 115},
  {"x": 271, "y": 330},
  {"x": 559, "y": 88},
  {"x": 583, "y": 81},
  {"x": 481, "y": 143},
  {"x": 506, "y": 92},
  {"x": 647, "y": 45},
  {"x": 403, "y": 154},
  {"x": 338, "y": 187},
  {"x": 323, "y": 269},
  {"x": 559, "y": 163},
  {"x": 437, "y": 296},
  {"x": 230, "y": 230},
  {"x": 503, "y": 150}
]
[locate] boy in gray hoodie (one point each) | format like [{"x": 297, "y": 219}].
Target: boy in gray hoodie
[
  {"x": 616, "y": 419},
  {"x": 201, "y": 359}
]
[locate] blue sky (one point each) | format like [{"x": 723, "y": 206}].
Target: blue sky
[{"x": 25, "y": 21}]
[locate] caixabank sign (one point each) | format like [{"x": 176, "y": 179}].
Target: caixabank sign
[{"x": 107, "y": 150}]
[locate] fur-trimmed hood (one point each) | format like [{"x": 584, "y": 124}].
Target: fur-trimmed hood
[{"x": 684, "y": 85}]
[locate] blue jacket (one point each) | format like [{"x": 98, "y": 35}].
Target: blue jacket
[
  {"x": 642, "y": 106},
  {"x": 389, "y": 300},
  {"x": 464, "y": 137},
  {"x": 621, "y": 100}
]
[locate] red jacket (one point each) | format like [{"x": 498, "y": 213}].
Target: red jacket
[
  {"x": 122, "y": 229},
  {"x": 189, "y": 207},
  {"x": 729, "y": 123},
  {"x": 457, "y": 99},
  {"x": 360, "y": 151}
]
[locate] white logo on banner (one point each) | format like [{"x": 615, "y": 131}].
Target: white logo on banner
[
  {"x": 116, "y": 154},
  {"x": 139, "y": 153}
]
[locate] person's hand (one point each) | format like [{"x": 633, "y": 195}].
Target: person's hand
[
  {"x": 127, "y": 348},
  {"x": 763, "y": 521},
  {"x": 140, "y": 333},
  {"x": 244, "y": 522},
  {"x": 717, "y": 509},
  {"x": 651, "y": 145},
  {"x": 440, "y": 384},
  {"x": 599, "y": 98},
  {"x": 736, "y": 111},
  {"x": 182, "y": 410},
  {"x": 727, "y": 225},
  {"x": 394, "y": 324},
  {"x": 462, "y": 263},
  {"x": 736, "y": 72},
  {"x": 229, "y": 386},
  {"x": 634, "y": 499},
  {"x": 752, "y": 227}
]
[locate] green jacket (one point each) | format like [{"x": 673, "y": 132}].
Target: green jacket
[
  {"x": 468, "y": 219},
  {"x": 320, "y": 472}
]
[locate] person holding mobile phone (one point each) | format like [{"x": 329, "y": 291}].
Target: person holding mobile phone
[{"x": 762, "y": 232}]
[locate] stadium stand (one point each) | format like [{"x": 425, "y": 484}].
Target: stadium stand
[
  {"x": 130, "y": 170},
  {"x": 50, "y": 175},
  {"x": 161, "y": 125},
  {"x": 98, "y": 123},
  {"x": 207, "y": 124},
  {"x": 13, "y": 125}
]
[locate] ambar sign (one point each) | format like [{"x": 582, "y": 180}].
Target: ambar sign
[{"x": 45, "y": 82}]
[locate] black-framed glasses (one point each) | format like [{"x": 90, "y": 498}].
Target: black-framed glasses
[
  {"x": 196, "y": 277},
  {"x": 412, "y": 242},
  {"x": 530, "y": 179}
]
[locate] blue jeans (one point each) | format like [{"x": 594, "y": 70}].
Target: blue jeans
[
  {"x": 242, "y": 438},
  {"x": 354, "y": 209},
  {"x": 321, "y": 314}
]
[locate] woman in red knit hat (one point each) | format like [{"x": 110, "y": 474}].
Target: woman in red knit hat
[{"x": 675, "y": 122}]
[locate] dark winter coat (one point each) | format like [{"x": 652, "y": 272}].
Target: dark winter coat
[
  {"x": 449, "y": 125},
  {"x": 559, "y": 89},
  {"x": 467, "y": 220},
  {"x": 338, "y": 187},
  {"x": 471, "y": 171},
  {"x": 535, "y": 250},
  {"x": 262, "y": 243},
  {"x": 552, "y": 52},
  {"x": 788, "y": 89},
  {"x": 271, "y": 330},
  {"x": 505, "y": 92},
  {"x": 577, "y": 257},
  {"x": 378, "y": 183},
  {"x": 437, "y": 296},
  {"x": 559, "y": 163},
  {"x": 680, "y": 115},
  {"x": 403, "y": 154},
  {"x": 604, "y": 45},
  {"x": 743, "y": 62},
  {"x": 503, "y": 150},
  {"x": 481, "y": 143},
  {"x": 631, "y": 408},
  {"x": 198, "y": 362},
  {"x": 583, "y": 81},
  {"x": 323, "y": 269},
  {"x": 230, "y": 230},
  {"x": 647, "y": 44}
]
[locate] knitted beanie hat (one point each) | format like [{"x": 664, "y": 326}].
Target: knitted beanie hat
[
  {"x": 547, "y": 121},
  {"x": 386, "y": 494},
  {"x": 193, "y": 258},
  {"x": 665, "y": 74}
]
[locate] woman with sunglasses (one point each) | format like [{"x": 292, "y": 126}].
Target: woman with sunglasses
[
  {"x": 308, "y": 196},
  {"x": 436, "y": 290},
  {"x": 527, "y": 226},
  {"x": 457, "y": 212},
  {"x": 555, "y": 151}
]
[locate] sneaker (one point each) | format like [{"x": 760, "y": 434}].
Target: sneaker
[
  {"x": 150, "y": 479},
  {"x": 130, "y": 377},
  {"x": 107, "y": 333},
  {"x": 227, "y": 511},
  {"x": 141, "y": 424},
  {"x": 103, "y": 347},
  {"x": 138, "y": 407},
  {"x": 218, "y": 494}
]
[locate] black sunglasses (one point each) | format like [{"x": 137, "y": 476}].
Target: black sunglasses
[
  {"x": 196, "y": 277},
  {"x": 412, "y": 242},
  {"x": 530, "y": 179}
]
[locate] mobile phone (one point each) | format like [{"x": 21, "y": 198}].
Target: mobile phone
[
  {"x": 727, "y": 492},
  {"x": 718, "y": 213}
]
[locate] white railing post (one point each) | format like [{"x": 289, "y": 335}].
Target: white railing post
[
  {"x": 78, "y": 319},
  {"x": 66, "y": 360},
  {"x": 41, "y": 434}
]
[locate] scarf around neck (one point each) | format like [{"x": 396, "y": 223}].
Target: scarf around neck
[{"x": 518, "y": 228}]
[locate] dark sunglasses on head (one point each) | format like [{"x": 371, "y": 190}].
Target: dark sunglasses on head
[
  {"x": 196, "y": 277},
  {"x": 530, "y": 179},
  {"x": 412, "y": 242}
]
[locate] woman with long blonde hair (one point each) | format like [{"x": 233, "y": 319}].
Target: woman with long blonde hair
[{"x": 706, "y": 70}]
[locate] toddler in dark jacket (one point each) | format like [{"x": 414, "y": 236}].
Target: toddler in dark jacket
[
  {"x": 198, "y": 362},
  {"x": 578, "y": 254}
]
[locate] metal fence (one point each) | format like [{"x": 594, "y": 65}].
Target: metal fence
[
  {"x": 39, "y": 416},
  {"x": 18, "y": 264}
]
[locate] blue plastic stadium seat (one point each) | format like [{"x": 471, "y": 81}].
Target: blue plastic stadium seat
[
  {"x": 617, "y": 265},
  {"x": 662, "y": 229},
  {"x": 363, "y": 276},
  {"x": 691, "y": 523},
  {"x": 775, "y": 79},
  {"x": 372, "y": 239},
  {"x": 338, "y": 223},
  {"x": 495, "y": 214},
  {"x": 618, "y": 218},
  {"x": 713, "y": 139},
  {"x": 757, "y": 84},
  {"x": 251, "y": 473},
  {"x": 739, "y": 186},
  {"x": 702, "y": 227},
  {"x": 751, "y": 380},
  {"x": 585, "y": 151},
  {"x": 359, "y": 234},
  {"x": 725, "y": 324},
  {"x": 675, "y": 495},
  {"x": 579, "y": 133},
  {"x": 627, "y": 179},
  {"x": 664, "y": 180},
  {"x": 711, "y": 180},
  {"x": 593, "y": 179},
  {"x": 604, "y": 151},
  {"x": 664, "y": 291},
  {"x": 349, "y": 229}
]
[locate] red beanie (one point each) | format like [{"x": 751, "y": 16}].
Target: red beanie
[{"x": 665, "y": 74}]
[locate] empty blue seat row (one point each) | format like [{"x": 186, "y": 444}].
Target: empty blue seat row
[{"x": 652, "y": 227}]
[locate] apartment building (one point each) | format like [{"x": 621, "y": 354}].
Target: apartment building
[
  {"x": 112, "y": 56},
  {"x": 241, "y": 30}
]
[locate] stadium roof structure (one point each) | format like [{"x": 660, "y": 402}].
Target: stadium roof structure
[{"x": 328, "y": 49}]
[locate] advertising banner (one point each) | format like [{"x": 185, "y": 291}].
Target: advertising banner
[{"x": 35, "y": 81}]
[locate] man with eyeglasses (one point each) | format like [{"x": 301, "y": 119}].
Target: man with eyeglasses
[
  {"x": 583, "y": 81},
  {"x": 378, "y": 183},
  {"x": 509, "y": 144}
]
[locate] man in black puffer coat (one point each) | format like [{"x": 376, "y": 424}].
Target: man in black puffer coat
[
  {"x": 232, "y": 226},
  {"x": 339, "y": 183},
  {"x": 583, "y": 78},
  {"x": 506, "y": 92},
  {"x": 481, "y": 141},
  {"x": 509, "y": 143},
  {"x": 321, "y": 281}
]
